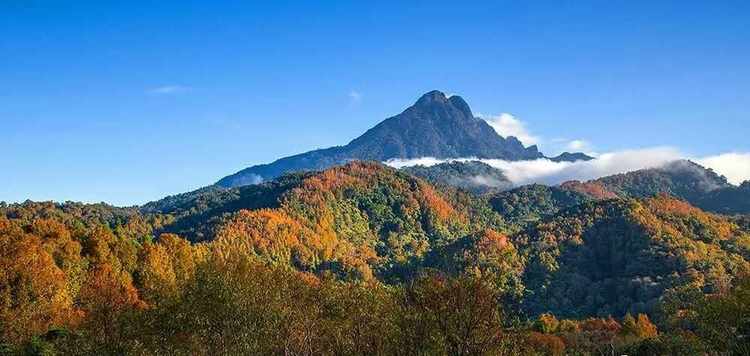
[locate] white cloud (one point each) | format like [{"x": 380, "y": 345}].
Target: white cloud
[
  {"x": 508, "y": 125},
  {"x": 548, "y": 172},
  {"x": 735, "y": 166},
  {"x": 578, "y": 145},
  {"x": 355, "y": 97},
  {"x": 168, "y": 89}
]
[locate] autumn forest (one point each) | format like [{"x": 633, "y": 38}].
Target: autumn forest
[{"x": 366, "y": 259}]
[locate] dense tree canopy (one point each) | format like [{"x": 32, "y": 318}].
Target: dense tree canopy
[{"x": 365, "y": 259}]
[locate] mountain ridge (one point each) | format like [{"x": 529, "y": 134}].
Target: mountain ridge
[
  {"x": 435, "y": 126},
  {"x": 683, "y": 179}
]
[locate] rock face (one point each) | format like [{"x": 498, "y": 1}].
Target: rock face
[
  {"x": 439, "y": 127},
  {"x": 435, "y": 126}
]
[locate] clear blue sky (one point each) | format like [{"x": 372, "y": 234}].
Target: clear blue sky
[{"x": 128, "y": 102}]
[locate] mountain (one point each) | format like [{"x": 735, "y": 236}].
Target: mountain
[
  {"x": 474, "y": 176},
  {"x": 440, "y": 127},
  {"x": 435, "y": 126}
]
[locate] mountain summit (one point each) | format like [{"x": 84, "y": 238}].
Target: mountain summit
[
  {"x": 440, "y": 127},
  {"x": 435, "y": 126}
]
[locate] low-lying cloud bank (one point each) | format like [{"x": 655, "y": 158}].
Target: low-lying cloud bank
[{"x": 735, "y": 166}]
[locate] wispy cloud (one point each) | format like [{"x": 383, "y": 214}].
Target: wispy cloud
[
  {"x": 355, "y": 97},
  {"x": 577, "y": 145},
  {"x": 168, "y": 90}
]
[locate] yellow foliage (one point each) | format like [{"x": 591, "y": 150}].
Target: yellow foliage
[
  {"x": 270, "y": 234},
  {"x": 33, "y": 289}
]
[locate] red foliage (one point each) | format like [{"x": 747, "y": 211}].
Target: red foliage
[
  {"x": 592, "y": 189},
  {"x": 546, "y": 344}
]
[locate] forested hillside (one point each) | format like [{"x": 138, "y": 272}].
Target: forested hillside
[
  {"x": 367, "y": 259},
  {"x": 683, "y": 179},
  {"x": 620, "y": 256}
]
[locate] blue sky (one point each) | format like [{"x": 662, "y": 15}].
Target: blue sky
[{"x": 127, "y": 102}]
